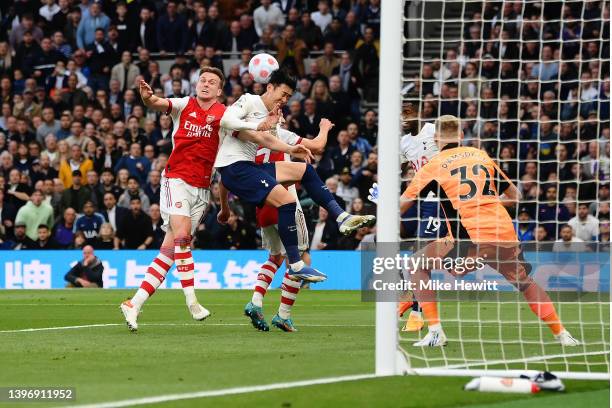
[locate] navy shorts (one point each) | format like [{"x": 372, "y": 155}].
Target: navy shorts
[
  {"x": 249, "y": 181},
  {"x": 432, "y": 224}
]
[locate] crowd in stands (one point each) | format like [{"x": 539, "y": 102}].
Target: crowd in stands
[
  {"x": 531, "y": 83},
  {"x": 81, "y": 157}
]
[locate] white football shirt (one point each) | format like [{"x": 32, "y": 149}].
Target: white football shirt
[
  {"x": 419, "y": 149},
  {"x": 245, "y": 114}
]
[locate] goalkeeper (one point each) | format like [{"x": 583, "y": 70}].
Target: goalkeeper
[{"x": 469, "y": 185}]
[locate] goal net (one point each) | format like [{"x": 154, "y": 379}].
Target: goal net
[{"x": 530, "y": 84}]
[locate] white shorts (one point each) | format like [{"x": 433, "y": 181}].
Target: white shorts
[
  {"x": 179, "y": 198},
  {"x": 270, "y": 239}
]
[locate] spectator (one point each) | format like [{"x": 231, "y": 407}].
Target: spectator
[
  {"x": 90, "y": 23},
  {"x": 113, "y": 214},
  {"x": 172, "y": 30},
  {"x": 89, "y": 223},
  {"x": 322, "y": 18},
  {"x": 568, "y": 242},
  {"x": 369, "y": 130},
  {"x": 153, "y": 186},
  {"x": 44, "y": 240},
  {"x": 133, "y": 190},
  {"x": 21, "y": 240},
  {"x": 268, "y": 15},
  {"x": 309, "y": 32},
  {"x": 78, "y": 162},
  {"x": 156, "y": 224},
  {"x": 328, "y": 62},
  {"x": 35, "y": 213},
  {"x": 135, "y": 232},
  {"x": 101, "y": 57},
  {"x": 358, "y": 142},
  {"x": 291, "y": 51},
  {"x": 584, "y": 225},
  {"x": 63, "y": 230},
  {"x": 147, "y": 37},
  {"x": 125, "y": 72},
  {"x": 136, "y": 165},
  {"x": 325, "y": 234},
  {"x": 76, "y": 195},
  {"x": 367, "y": 175},
  {"x": 17, "y": 193},
  {"x": 345, "y": 190},
  {"x": 237, "y": 234},
  {"x": 87, "y": 273},
  {"x": 72, "y": 97},
  {"x": 367, "y": 64},
  {"x": 309, "y": 120},
  {"x": 106, "y": 238},
  {"x": 524, "y": 226},
  {"x": 7, "y": 215},
  {"x": 26, "y": 26}
]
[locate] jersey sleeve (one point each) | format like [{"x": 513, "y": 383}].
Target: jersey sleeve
[
  {"x": 428, "y": 131},
  {"x": 288, "y": 137},
  {"x": 234, "y": 115},
  {"x": 502, "y": 182},
  {"x": 176, "y": 106},
  {"x": 422, "y": 183}
]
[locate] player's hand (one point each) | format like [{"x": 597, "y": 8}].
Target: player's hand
[
  {"x": 325, "y": 125},
  {"x": 223, "y": 216},
  {"x": 302, "y": 153},
  {"x": 271, "y": 120},
  {"x": 145, "y": 90},
  {"x": 373, "y": 196}
]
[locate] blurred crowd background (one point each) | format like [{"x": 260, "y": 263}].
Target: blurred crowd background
[{"x": 77, "y": 145}]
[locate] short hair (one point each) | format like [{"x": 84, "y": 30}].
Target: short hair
[
  {"x": 43, "y": 226},
  {"x": 281, "y": 76},
  {"x": 448, "y": 127},
  {"x": 215, "y": 71},
  {"x": 135, "y": 198},
  {"x": 134, "y": 178}
]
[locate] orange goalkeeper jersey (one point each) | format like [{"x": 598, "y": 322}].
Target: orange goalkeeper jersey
[{"x": 468, "y": 183}]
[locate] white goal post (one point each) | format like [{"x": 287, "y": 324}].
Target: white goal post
[{"x": 523, "y": 345}]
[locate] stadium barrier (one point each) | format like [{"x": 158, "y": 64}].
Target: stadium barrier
[{"x": 221, "y": 269}]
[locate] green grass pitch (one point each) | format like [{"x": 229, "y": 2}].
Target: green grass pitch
[{"x": 173, "y": 354}]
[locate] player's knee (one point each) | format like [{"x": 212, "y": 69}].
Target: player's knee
[{"x": 276, "y": 259}]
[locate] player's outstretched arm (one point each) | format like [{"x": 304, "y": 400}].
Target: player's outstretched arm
[
  {"x": 266, "y": 139},
  {"x": 317, "y": 145},
  {"x": 224, "y": 212},
  {"x": 150, "y": 100}
]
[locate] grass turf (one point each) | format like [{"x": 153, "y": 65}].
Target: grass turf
[{"x": 173, "y": 354}]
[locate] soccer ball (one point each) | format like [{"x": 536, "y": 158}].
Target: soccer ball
[{"x": 261, "y": 67}]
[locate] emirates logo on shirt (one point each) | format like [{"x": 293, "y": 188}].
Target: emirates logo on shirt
[{"x": 195, "y": 130}]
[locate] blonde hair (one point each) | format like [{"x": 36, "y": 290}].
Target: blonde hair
[{"x": 448, "y": 129}]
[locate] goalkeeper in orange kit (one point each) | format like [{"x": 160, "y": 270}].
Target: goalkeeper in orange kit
[{"x": 472, "y": 190}]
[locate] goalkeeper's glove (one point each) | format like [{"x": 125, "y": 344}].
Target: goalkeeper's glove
[{"x": 373, "y": 196}]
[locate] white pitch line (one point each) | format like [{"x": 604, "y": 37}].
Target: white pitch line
[
  {"x": 85, "y": 326},
  {"x": 224, "y": 392}
]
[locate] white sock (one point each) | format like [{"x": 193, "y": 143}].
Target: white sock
[
  {"x": 296, "y": 267},
  {"x": 284, "y": 311},
  {"x": 190, "y": 296},
  {"x": 257, "y": 299},
  {"x": 417, "y": 314},
  {"x": 435, "y": 327},
  {"x": 139, "y": 298}
]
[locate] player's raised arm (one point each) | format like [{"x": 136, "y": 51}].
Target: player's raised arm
[
  {"x": 317, "y": 145},
  {"x": 152, "y": 101}
]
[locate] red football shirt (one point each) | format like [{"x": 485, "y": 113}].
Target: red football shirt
[{"x": 195, "y": 140}]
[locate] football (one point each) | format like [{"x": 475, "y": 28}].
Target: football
[{"x": 261, "y": 67}]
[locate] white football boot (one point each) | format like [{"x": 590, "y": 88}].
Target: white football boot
[
  {"x": 566, "y": 339},
  {"x": 130, "y": 312},
  {"x": 435, "y": 338},
  {"x": 198, "y": 312}
]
